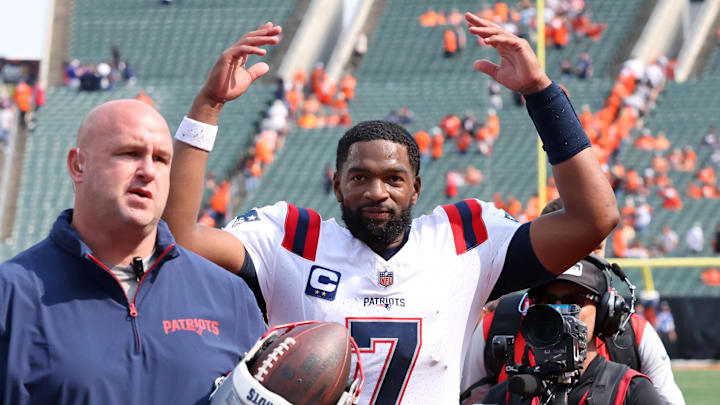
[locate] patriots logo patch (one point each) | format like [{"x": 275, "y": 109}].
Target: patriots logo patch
[{"x": 249, "y": 216}]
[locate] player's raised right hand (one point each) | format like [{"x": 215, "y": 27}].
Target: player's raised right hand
[{"x": 230, "y": 77}]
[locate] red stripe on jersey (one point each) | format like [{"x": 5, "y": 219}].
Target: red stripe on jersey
[
  {"x": 477, "y": 221},
  {"x": 313, "y": 235},
  {"x": 291, "y": 223},
  {"x": 457, "y": 227}
]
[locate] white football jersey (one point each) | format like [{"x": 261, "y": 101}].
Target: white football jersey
[{"x": 412, "y": 316}]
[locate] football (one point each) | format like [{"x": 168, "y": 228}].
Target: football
[{"x": 309, "y": 364}]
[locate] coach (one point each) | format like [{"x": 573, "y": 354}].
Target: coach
[{"x": 108, "y": 309}]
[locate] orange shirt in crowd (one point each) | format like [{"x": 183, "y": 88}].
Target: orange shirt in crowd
[
  {"x": 473, "y": 176},
  {"x": 347, "y": 86},
  {"x": 627, "y": 211},
  {"x": 451, "y": 125},
  {"x": 464, "y": 141},
  {"x": 645, "y": 142},
  {"x": 455, "y": 18},
  {"x": 706, "y": 175},
  {"x": 633, "y": 180},
  {"x": 345, "y": 119},
  {"x": 311, "y": 105},
  {"x": 586, "y": 118},
  {"x": 431, "y": 18},
  {"x": 423, "y": 140},
  {"x": 316, "y": 76},
  {"x": 206, "y": 219},
  {"x": 23, "y": 96},
  {"x": 671, "y": 199},
  {"x": 325, "y": 90},
  {"x": 661, "y": 142},
  {"x": 498, "y": 201},
  {"x": 307, "y": 121},
  {"x": 333, "y": 119},
  {"x": 694, "y": 191},
  {"x": 263, "y": 151},
  {"x": 450, "y": 41},
  {"x": 514, "y": 207},
  {"x": 294, "y": 97},
  {"x": 220, "y": 200},
  {"x": 299, "y": 78},
  {"x": 492, "y": 123},
  {"x": 659, "y": 164},
  {"x": 256, "y": 168},
  {"x": 601, "y": 154},
  {"x": 532, "y": 210},
  {"x": 502, "y": 11},
  {"x": 689, "y": 159},
  {"x": 560, "y": 34},
  {"x": 622, "y": 238},
  {"x": 340, "y": 102},
  {"x": 483, "y": 134},
  {"x": 437, "y": 146},
  {"x": 487, "y": 13}
]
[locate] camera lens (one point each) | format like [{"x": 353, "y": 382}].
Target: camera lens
[{"x": 542, "y": 326}]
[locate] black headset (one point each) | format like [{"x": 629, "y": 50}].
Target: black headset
[{"x": 613, "y": 313}]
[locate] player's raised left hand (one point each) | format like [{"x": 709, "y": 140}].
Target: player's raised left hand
[
  {"x": 519, "y": 68},
  {"x": 231, "y": 77}
]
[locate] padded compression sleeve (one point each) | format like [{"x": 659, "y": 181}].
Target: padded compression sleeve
[{"x": 559, "y": 128}]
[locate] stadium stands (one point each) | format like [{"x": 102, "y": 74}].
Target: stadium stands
[{"x": 171, "y": 49}]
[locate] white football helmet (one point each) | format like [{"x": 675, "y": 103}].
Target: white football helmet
[{"x": 241, "y": 388}]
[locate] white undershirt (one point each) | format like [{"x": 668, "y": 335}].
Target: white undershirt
[{"x": 126, "y": 275}]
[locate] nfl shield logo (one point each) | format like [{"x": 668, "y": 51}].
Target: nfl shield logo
[{"x": 385, "y": 278}]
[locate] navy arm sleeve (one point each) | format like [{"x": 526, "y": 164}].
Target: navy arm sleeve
[
  {"x": 522, "y": 269},
  {"x": 248, "y": 273}
]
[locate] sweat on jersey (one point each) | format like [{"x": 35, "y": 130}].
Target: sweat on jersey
[
  {"x": 70, "y": 335},
  {"x": 411, "y": 315}
]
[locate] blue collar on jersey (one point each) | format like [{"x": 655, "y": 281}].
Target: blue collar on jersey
[{"x": 390, "y": 252}]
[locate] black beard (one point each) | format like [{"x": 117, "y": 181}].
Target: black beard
[{"x": 377, "y": 236}]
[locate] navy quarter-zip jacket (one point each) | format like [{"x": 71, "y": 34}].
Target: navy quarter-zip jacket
[{"x": 70, "y": 335}]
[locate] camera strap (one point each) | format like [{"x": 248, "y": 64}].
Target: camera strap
[
  {"x": 506, "y": 321},
  {"x": 605, "y": 387}
]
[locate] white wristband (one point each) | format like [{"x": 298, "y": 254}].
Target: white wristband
[{"x": 197, "y": 134}]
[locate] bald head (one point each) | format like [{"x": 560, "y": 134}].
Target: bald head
[
  {"x": 121, "y": 169},
  {"x": 108, "y": 117}
]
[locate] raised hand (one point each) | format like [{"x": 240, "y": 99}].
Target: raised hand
[
  {"x": 519, "y": 69},
  {"x": 230, "y": 77}
]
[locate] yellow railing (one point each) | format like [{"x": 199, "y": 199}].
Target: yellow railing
[
  {"x": 542, "y": 159},
  {"x": 647, "y": 264}
]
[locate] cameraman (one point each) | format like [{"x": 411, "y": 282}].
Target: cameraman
[
  {"x": 603, "y": 381},
  {"x": 639, "y": 347}
]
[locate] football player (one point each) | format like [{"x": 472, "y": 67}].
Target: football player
[{"x": 409, "y": 290}]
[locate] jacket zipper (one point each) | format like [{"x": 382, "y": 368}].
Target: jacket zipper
[{"x": 132, "y": 309}]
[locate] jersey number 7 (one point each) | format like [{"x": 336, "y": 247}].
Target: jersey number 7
[{"x": 405, "y": 338}]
